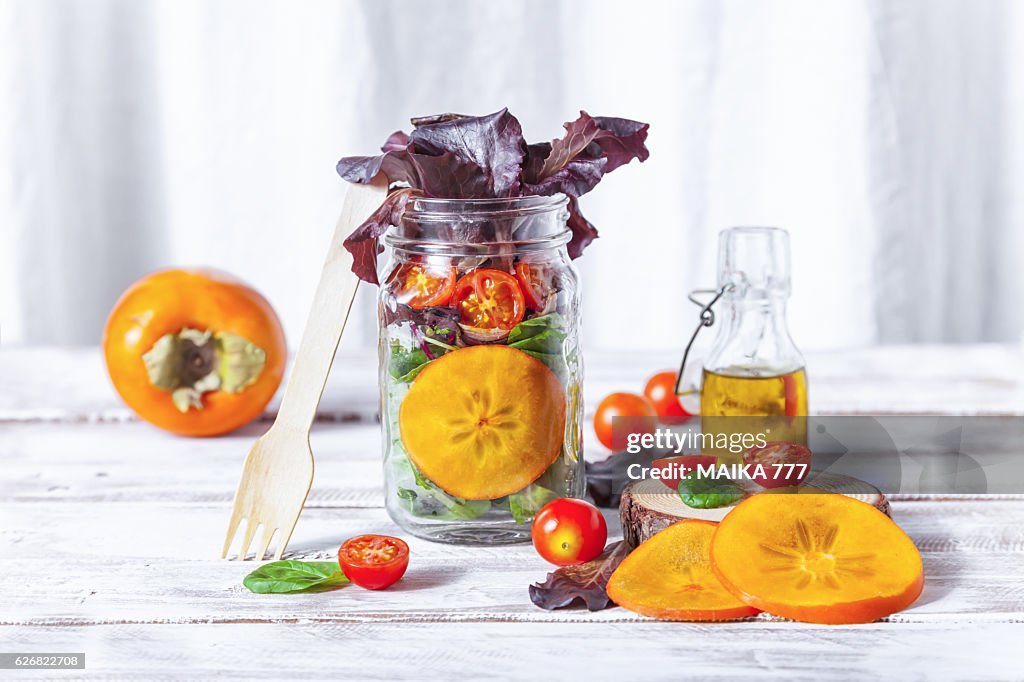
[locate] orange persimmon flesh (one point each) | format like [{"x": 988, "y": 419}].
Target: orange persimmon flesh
[
  {"x": 669, "y": 576},
  {"x": 816, "y": 557},
  {"x": 484, "y": 421}
]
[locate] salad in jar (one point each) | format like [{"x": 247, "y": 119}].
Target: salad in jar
[{"x": 479, "y": 312}]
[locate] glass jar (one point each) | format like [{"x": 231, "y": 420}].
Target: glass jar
[
  {"x": 754, "y": 369},
  {"x": 480, "y": 367}
]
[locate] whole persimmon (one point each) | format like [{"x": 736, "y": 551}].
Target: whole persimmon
[{"x": 194, "y": 351}]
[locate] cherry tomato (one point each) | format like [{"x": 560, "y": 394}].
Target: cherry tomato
[
  {"x": 374, "y": 561},
  {"x": 629, "y": 405},
  {"x": 661, "y": 392},
  {"x": 671, "y": 470},
  {"x": 489, "y": 299},
  {"x": 536, "y": 284},
  {"x": 569, "y": 531},
  {"x": 790, "y": 388},
  {"x": 782, "y": 453},
  {"x": 421, "y": 285}
]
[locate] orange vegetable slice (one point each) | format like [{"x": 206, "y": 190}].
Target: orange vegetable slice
[
  {"x": 484, "y": 421},
  {"x": 669, "y": 576},
  {"x": 816, "y": 557}
]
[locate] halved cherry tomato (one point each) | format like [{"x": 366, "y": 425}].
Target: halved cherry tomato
[
  {"x": 661, "y": 392},
  {"x": 783, "y": 454},
  {"x": 671, "y": 470},
  {"x": 489, "y": 299},
  {"x": 374, "y": 561},
  {"x": 422, "y": 285},
  {"x": 535, "y": 281},
  {"x": 569, "y": 531},
  {"x": 637, "y": 414}
]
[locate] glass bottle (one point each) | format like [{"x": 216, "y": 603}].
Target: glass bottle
[
  {"x": 754, "y": 369},
  {"x": 427, "y": 332}
]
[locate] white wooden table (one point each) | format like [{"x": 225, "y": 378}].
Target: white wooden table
[{"x": 110, "y": 530}]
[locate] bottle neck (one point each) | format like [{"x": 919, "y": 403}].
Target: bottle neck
[{"x": 753, "y": 338}]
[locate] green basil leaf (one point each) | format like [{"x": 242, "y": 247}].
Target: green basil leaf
[
  {"x": 708, "y": 493},
  {"x": 280, "y": 577}
]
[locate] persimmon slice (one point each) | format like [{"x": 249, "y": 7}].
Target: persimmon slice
[
  {"x": 816, "y": 557},
  {"x": 670, "y": 577},
  {"x": 484, "y": 421}
]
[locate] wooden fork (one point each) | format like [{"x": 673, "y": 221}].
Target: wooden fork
[{"x": 279, "y": 469}]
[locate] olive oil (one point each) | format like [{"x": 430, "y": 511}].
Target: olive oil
[{"x": 746, "y": 392}]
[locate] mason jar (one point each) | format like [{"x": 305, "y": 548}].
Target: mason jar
[{"x": 480, "y": 367}]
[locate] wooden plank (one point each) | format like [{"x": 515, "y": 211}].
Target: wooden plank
[
  {"x": 155, "y": 563},
  {"x": 70, "y": 385},
  {"x": 136, "y": 462},
  {"x": 82, "y": 462},
  {"x": 527, "y": 651}
]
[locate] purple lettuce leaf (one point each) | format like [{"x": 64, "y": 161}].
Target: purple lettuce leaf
[
  {"x": 445, "y": 175},
  {"x": 398, "y": 141},
  {"x": 583, "y": 232},
  {"x": 583, "y": 583},
  {"x": 475, "y": 157},
  {"x": 494, "y": 143},
  {"x": 590, "y": 148},
  {"x": 364, "y": 244}
]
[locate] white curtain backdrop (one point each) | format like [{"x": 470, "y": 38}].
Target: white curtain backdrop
[{"x": 887, "y": 136}]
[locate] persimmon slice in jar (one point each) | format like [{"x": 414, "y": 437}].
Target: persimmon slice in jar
[
  {"x": 422, "y": 285},
  {"x": 484, "y": 421},
  {"x": 816, "y": 557},
  {"x": 489, "y": 299},
  {"x": 669, "y": 576}
]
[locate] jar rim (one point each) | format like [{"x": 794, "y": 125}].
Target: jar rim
[
  {"x": 427, "y": 209},
  {"x": 475, "y": 226}
]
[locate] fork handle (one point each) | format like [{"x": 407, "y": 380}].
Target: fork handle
[{"x": 327, "y": 318}]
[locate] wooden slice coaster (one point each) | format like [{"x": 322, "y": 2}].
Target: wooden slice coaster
[{"x": 649, "y": 506}]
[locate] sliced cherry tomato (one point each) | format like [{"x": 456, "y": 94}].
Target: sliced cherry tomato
[
  {"x": 569, "y": 531},
  {"x": 631, "y": 405},
  {"x": 422, "y": 285},
  {"x": 374, "y": 561},
  {"x": 661, "y": 392},
  {"x": 536, "y": 283},
  {"x": 671, "y": 470},
  {"x": 783, "y": 454},
  {"x": 489, "y": 299}
]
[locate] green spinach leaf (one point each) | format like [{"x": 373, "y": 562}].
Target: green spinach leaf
[
  {"x": 436, "y": 503},
  {"x": 542, "y": 337},
  {"x": 279, "y": 577},
  {"x": 525, "y": 504},
  {"x": 708, "y": 493},
  {"x": 543, "y": 334}
]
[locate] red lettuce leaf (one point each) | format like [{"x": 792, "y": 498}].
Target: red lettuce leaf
[
  {"x": 585, "y": 583},
  {"x": 590, "y": 148},
  {"x": 476, "y": 157},
  {"x": 398, "y": 141},
  {"x": 493, "y": 143},
  {"x": 583, "y": 232},
  {"x": 364, "y": 244}
]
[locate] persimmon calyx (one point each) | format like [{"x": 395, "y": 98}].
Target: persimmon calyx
[{"x": 193, "y": 362}]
